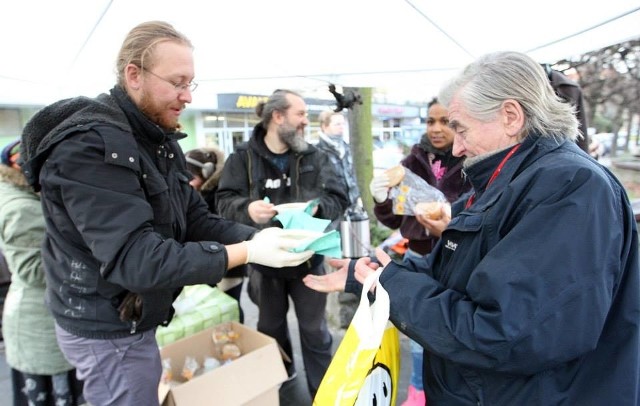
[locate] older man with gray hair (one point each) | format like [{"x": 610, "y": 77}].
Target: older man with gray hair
[{"x": 532, "y": 295}]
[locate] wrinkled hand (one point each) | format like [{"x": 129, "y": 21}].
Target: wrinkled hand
[
  {"x": 260, "y": 211},
  {"x": 436, "y": 227},
  {"x": 331, "y": 282},
  {"x": 270, "y": 247},
  {"x": 382, "y": 257},
  {"x": 379, "y": 188},
  {"x": 365, "y": 267}
]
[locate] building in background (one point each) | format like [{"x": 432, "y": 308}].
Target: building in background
[{"x": 231, "y": 117}]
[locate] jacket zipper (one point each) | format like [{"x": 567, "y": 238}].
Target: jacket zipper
[{"x": 298, "y": 159}]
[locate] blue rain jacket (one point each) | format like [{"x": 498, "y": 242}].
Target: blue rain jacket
[{"x": 532, "y": 296}]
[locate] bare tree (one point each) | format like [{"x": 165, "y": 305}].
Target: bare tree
[{"x": 610, "y": 80}]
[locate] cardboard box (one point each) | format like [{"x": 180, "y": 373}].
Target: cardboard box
[{"x": 253, "y": 379}]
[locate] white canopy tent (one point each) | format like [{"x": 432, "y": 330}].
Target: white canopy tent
[{"x": 403, "y": 48}]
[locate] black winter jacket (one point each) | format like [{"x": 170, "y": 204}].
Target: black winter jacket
[
  {"x": 309, "y": 176},
  {"x": 344, "y": 168},
  {"x": 121, "y": 215}
]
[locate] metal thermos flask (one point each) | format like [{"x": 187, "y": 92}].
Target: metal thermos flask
[{"x": 355, "y": 234}]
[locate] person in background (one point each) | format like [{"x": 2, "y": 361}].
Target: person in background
[
  {"x": 571, "y": 91},
  {"x": 205, "y": 164},
  {"x": 333, "y": 144},
  {"x": 532, "y": 295},
  {"x": 432, "y": 160},
  {"x": 278, "y": 166},
  {"x": 40, "y": 375},
  {"x": 124, "y": 229},
  {"x": 339, "y": 152}
]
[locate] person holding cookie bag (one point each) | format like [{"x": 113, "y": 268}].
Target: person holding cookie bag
[{"x": 432, "y": 160}]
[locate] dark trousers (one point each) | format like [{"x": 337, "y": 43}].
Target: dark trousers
[
  {"x": 46, "y": 390},
  {"x": 4, "y": 289},
  {"x": 272, "y": 297},
  {"x": 235, "y": 292}
]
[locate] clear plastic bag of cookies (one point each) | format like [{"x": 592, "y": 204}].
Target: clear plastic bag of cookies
[
  {"x": 223, "y": 334},
  {"x": 167, "y": 372},
  {"x": 190, "y": 368},
  {"x": 411, "y": 191},
  {"x": 225, "y": 343}
]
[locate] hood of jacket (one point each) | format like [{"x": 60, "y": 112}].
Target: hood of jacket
[
  {"x": 13, "y": 177},
  {"x": 55, "y": 122}
]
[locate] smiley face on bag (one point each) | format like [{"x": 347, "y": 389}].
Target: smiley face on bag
[{"x": 377, "y": 387}]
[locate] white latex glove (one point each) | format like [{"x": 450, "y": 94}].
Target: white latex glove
[
  {"x": 379, "y": 187},
  {"x": 270, "y": 247}
]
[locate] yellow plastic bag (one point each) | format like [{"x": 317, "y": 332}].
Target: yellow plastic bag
[{"x": 366, "y": 367}]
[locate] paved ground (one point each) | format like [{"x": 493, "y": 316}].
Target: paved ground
[{"x": 293, "y": 393}]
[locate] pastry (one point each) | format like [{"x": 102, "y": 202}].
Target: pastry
[
  {"x": 395, "y": 175},
  {"x": 431, "y": 210}
]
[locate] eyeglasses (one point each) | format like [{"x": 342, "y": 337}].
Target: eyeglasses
[{"x": 180, "y": 87}]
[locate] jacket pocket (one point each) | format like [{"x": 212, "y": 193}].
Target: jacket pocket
[
  {"x": 157, "y": 192},
  {"x": 462, "y": 248},
  {"x": 466, "y": 222}
]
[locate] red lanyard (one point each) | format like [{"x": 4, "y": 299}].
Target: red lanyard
[{"x": 495, "y": 173}]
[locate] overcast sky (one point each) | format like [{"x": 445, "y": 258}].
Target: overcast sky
[{"x": 406, "y": 49}]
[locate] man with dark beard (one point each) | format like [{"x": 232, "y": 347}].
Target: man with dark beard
[
  {"x": 277, "y": 166},
  {"x": 124, "y": 229}
]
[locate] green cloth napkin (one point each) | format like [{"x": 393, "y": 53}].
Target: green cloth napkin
[
  {"x": 327, "y": 244},
  {"x": 301, "y": 220}
]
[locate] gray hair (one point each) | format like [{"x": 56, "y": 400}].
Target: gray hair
[
  {"x": 493, "y": 78},
  {"x": 277, "y": 102}
]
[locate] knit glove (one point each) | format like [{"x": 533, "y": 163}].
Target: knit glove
[
  {"x": 270, "y": 247},
  {"x": 379, "y": 188}
]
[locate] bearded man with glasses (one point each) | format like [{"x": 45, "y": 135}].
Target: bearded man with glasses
[{"x": 124, "y": 229}]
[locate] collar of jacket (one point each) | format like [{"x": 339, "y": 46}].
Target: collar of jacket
[
  {"x": 140, "y": 124},
  {"x": 533, "y": 147},
  {"x": 335, "y": 144},
  {"x": 446, "y": 157},
  {"x": 480, "y": 172},
  {"x": 559, "y": 79},
  {"x": 425, "y": 144}
]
